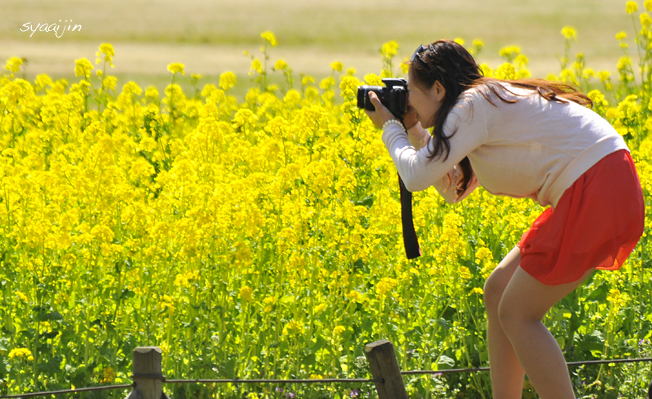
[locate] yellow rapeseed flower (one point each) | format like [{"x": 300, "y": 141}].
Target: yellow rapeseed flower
[
  {"x": 293, "y": 328},
  {"x": 505, "y": 71},
  {"x": 280, "y": 65},
  {"x": 648, "y": 5},
  {"x": 83, "y": 68},
  {"x": 569, "y": 33},
  {"x": 307, "y": 80},
  {"x": 598, "y": 98},
  {"x": 105, "y": 54},
  {"x": 385, "y": 285},
  {"x": 102, "y": 233},
  {"x": 176, "y": 67},
  {"x": 338, "y": 330},
  {"x": 483, "y": 254},
  {"x": 614, "y": 296},
  {"x": 355, "y": 296},
  {"x": 227, "y": 80},
  {"x": 167, "y": 302},
  {"x": 269, "y": 37},
  {"x": 631, "y": 7},
  {"x": 349, "y": 87},
  {"x": 389, "y": 49},
  {"x": 464, "y": 273},
  {"x": 20, "y": 353},
  {"x": 623, "y": 63},
  {"x": 327, "y": 83},
  {"x": 151, "y": 92},
  {"x": 320, "y": 307},
  {"x": 509, "y": 52},
  {"x": 486, "y": 70},
  {"x": 13, "y": 64},
  {"x": 337, "y": 66},
  {"x": 521, "y": 60},
  {"x": 246, "y": 293},
  {"x": 181, "y": 280},
  {"x": 269, "y": 303},
  {"x": 405, "y": 65},
  {"x": 244, "y": 118},
  {"x": 108, "y": 375},
  {"x": 109, "y": 82},
  {"x": 646, "y": 21},
  {"x": 42, "y": 81},
  {"x": 256, "y": 66},
  {"x": 604, "y": 76},
  {"x": 373, "y": 79}
]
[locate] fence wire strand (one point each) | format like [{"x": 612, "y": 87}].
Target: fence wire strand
[
  {"x": 311, "y": 381},
  {"x": 76, "y": 390},
  {"x": 471, "y": 370},
  {"x": 264, "y": 381}
]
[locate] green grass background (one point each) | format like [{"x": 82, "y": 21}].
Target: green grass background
[{"x": 209, "y": 37}]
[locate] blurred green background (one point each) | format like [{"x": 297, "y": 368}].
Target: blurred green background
[{"x": 209, "y": 37}]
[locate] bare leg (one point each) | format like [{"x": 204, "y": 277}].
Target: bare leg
[
  {"x": 524, "y": 303},
  {"x": 506, "y": 371}
]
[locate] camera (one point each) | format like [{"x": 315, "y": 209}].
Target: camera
[{"x": 393, "y": 95}]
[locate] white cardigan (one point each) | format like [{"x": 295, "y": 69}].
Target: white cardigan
[{"x": 533, "y": 148}]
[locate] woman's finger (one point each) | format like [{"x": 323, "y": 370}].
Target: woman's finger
[{"x": 374, "y": 100}]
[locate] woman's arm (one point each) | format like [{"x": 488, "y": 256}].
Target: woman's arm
[
  {"x": 466, "y": 126},
  {"x": 446, "y": 186},
  {"x": 417, "y": 170},
  {"x": 418, "y": 136}
]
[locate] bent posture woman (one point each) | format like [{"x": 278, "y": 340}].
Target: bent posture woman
[{"x": 522, "y": 138}]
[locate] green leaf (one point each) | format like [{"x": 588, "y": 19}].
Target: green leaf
[
  {"x": 54, "y": 316},
  {"x": 598, "y": 295},
  {"x": 443, "y": 324},
  {"x": 367, "y": 201},
  {"x": 127, "y": 293},
  {"x": 593, "y": 342}
]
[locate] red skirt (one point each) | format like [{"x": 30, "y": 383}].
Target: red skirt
[{"x": 596, "y": 224}]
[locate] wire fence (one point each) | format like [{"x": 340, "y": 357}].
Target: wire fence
[
  {"x": 65, "y": 391},
  {"x": 264, "y": 381},
  {"x": 380, "y": 355}
]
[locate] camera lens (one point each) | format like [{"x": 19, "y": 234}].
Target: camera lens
[{"x": 363, "y": 96}]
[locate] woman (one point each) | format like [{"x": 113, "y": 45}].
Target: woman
[{"x": 521, "y": 138}]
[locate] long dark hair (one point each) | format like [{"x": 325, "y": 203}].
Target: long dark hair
[{"x": 453, "y": 66}]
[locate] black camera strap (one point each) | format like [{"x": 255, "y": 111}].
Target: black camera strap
[{"x": 410, "y": 241}]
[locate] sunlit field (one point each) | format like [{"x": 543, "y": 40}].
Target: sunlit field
[
  {"x": 209, "y": 36},
  {"x": 250, "y": 228}
]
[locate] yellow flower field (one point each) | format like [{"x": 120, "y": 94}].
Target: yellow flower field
[{"x": 261, "y": 238}]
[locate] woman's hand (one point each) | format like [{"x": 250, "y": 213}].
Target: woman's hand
[
  {"x": 410, "y": 118},
  {"x": 381, "y": 114}
]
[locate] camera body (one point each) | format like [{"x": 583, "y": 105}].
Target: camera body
[{"x": 393, "y": 96}]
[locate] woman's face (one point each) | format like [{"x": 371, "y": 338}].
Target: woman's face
[{"x": 425, "y": 102}]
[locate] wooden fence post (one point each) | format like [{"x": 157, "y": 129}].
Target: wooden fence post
[
  {"x": 147, "y": 372},
  {"x": 384, "y": 367}
]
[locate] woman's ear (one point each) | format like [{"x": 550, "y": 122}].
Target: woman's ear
[{"x": 439, "y": 91}]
